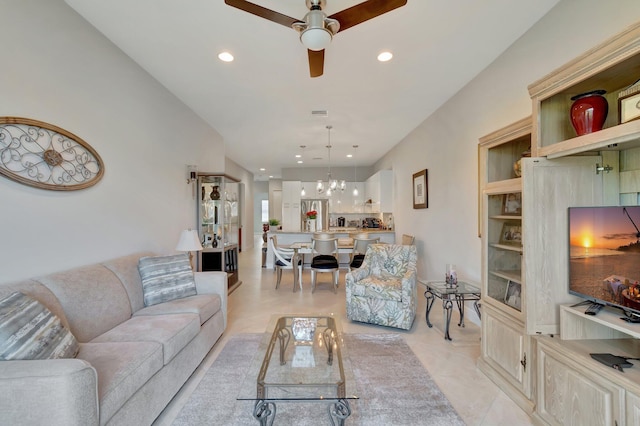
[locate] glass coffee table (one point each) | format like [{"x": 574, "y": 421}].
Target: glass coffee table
[
  {"x": 459, "y": 294},
  {"x": 302, "y": 358}
]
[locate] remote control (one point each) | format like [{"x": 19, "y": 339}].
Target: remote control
[{"x": 593, "y": 309}]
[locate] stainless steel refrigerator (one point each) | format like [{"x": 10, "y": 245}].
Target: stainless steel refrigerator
[{"x": 321, "y": 206}]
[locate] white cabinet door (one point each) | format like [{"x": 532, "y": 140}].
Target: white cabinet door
[
  {"x": 569, "y": 394},
  {"x": 379, "y": 189},
  {"x": 291, "y": 205},
  {"x": 505, "y": 347},
  {"x": 633, "y": 408},
  {"x": 549, "y": 188}
]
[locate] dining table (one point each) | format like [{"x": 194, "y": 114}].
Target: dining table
[{"x": 345, "y": 245}]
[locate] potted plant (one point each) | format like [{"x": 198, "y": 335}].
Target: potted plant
[{"x": 273, "y": 224}]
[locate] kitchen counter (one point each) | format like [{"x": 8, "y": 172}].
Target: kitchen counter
[
  {"x": 338, "y": 231},
  {"x": 288, "y": 237}
]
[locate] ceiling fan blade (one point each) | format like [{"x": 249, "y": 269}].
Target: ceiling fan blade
[
  {"x": 316, "y": 62},
  {"x": 364, "y": 11},
  {"x": 262, "y": 12}
]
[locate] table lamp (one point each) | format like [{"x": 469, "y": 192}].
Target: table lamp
[{"x": 189, "y": 241}]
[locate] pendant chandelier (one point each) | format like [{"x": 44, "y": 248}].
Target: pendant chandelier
[{"x": 332, "y": 184}]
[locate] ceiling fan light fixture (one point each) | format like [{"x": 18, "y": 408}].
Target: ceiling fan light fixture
[
  {"x": 317, "y": 30},
  {"x": 316, "y": 38}
]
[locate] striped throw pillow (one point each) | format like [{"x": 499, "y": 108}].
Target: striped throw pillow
[
  {"x": 28, "y": 330},
  {"x": 166, "y": 278}
]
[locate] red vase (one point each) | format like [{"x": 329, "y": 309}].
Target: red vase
[{"x": 589, "y": 111}]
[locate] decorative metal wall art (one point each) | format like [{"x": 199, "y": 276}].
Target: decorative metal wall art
[{"x": 45, "y": 156}]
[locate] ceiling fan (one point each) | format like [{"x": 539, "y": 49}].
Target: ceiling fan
[{"x": 317, "y": 29}]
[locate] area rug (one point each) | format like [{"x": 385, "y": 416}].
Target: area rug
[{"x": 393, "y": 387}]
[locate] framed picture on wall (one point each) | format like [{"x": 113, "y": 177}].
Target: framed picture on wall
[{"x": 420, "y": 191}]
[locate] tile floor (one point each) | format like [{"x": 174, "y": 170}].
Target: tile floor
[{"x": 451, "y": 364}]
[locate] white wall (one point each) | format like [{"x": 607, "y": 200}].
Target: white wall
[
  {"x": 260, "y": 192},
  {"x": 233, "y": 169},
  {"x": 446, "y": 143},
  {"x": 58, "y": 69}
]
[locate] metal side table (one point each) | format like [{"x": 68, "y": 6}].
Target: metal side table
[{"x": 461, "y": 293}]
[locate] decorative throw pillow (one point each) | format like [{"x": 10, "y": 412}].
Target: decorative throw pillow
[
  {"x": 166, "y": 278},
  {"x": 28, "y": 330}
]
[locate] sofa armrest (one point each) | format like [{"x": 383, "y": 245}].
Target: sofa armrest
[
  {"x": 52, "y": 392},
  {"x": 214, "y": 282}
]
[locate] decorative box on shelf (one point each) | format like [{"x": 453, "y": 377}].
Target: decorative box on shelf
[{"x": 629, "y": 103}]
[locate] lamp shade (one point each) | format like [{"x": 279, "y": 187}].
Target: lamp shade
[
  {"x": 189, "y": 241},
  {"x": 316, "y": 38}
]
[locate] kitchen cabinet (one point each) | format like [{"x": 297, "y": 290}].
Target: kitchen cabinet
[
  {"x": 291, "y": 205},
  {"x": 379, "y": 192}
]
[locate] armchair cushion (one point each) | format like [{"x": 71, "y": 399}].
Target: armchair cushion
[
  {"x": 29, "y": 331},
  {"x": 382, "y": 287}
]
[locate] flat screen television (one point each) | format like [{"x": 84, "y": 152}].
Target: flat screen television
[{"x": 604, "y": 256}]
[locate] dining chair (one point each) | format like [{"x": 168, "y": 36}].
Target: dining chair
[
  {"x": 323, "y": 235},
  {"x": 407, "y": 240},
  {"x": 324, "y": 252},
  {"x": 285, "y": 260},
  {"x": 360, "y": 244}
]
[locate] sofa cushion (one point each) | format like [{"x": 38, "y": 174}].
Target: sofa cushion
[
  {"x": 166, "y": 278},
  {"x": 173, "y": 332},
  {"x": 93, "y": 298},
  {"x": 205, "y": 305},
  {"x": 123, "y": 368},
  {"x": 126, "y": 269},
  {"x": 28, "y": 330}
]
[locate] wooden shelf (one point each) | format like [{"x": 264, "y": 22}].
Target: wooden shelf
[
  {"x": 605, "y": 325},
  {"x": 622, "y": 136},
  {"x": 507, "y": 247},
  {"x": 505, "y": 217},
  {"x": 513, "y": 275}
]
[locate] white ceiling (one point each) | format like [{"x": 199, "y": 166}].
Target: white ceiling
[{"x": 261, "y": 103}]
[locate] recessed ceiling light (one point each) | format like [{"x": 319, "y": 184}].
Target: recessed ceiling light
[
  {"x": 262, "y": 169},
  {"x": 349, "y": 155},
  {"x": 298, "y": 156},
  {"x": 385, "y": 56},
  {"x": 270, "y": 176},
  {"x": 225, "y": 57},
  {"x": 300, "y": 162}
]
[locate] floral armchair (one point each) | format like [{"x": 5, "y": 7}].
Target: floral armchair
[{"x": 383, "y": 290}]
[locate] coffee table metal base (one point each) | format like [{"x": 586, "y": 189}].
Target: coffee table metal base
[
  {"x": 265, "y": 412},
  {"x": 301, "y": 360}
]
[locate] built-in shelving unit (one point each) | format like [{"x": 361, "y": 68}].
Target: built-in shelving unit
[
  {"x": 561, "y": 382},
  {"x": 505, "y": 345},
  {"x": 218, "y": 206}
]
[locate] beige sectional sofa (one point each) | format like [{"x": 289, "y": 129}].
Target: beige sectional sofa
[{"x": 132, "y": 359}]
